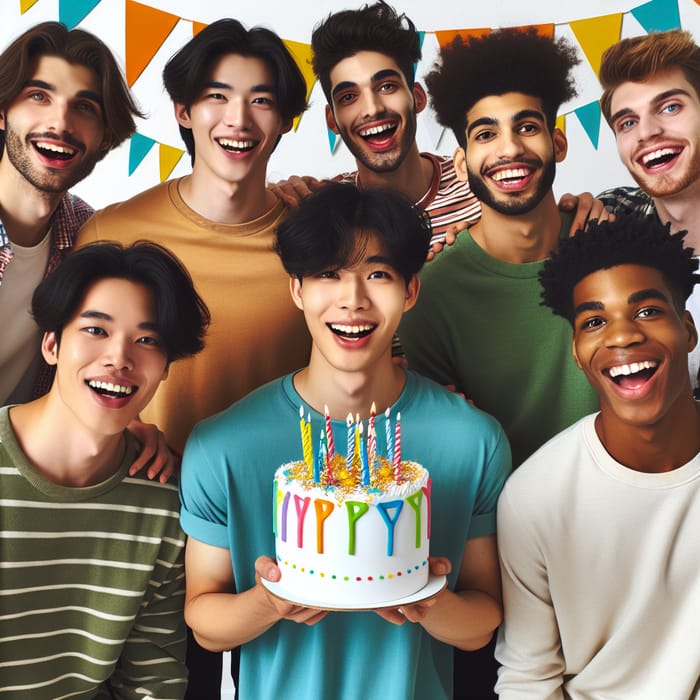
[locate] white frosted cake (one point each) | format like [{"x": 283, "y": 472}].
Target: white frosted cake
[{"x": 352, "y": 534}]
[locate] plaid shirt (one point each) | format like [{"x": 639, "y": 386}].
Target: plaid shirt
[
  {"x": 628, "y": 200},
  {"x": 71, "y": 213}
]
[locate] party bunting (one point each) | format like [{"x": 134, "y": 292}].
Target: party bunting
[
  {"x": 447, "y": 36},
  {"x": 197, "y": 27},
  {"x": 333, "y": 140},
  {"x": 658, "y": 15},
  {"x": 169, "y": 157},
  {"x": 73, "y": 12},
  {"x": 597, "y": 34},
  {"x": 139, "y": 147},
  {"x": 146, "y": 30},
  {"x": 589, "y": 116},
  {"x": 560, "y": 123},
  {"x": 302, "y": 55},
  {"x": 24, "y": 5}
]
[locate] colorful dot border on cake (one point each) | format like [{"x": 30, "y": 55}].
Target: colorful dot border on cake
[{"x": 357, "y": 579}]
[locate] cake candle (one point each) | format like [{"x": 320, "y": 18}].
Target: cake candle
[
  {"x": 372, "y": 435},
  {"x": 329, "y": 434},
  {"x": 389, "y": 441},
  {"x": 318, "y": 463},
  {"x": 397, "y": 449},
  {"x": 363, "y": 459},
  {"x": 351, "y": 442}
]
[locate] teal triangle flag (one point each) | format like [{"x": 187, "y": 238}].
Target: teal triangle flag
[
  {"x": 138, "y": 148},
  {"x": 658, "y": 15},
  {"x": 333, "y": 140},
  {"x": 73, "y": 12},
  {"x": 589, "y": 116}
]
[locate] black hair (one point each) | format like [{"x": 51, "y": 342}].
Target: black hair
[
  {"x": 187, "y": 71},
  {"x": 374, "y": 27},
  {"x": 507, "y": 60},
  {"x": 330, "y": 228},
  {"x": 629, "y": 240},
  {"x": 181, "y": 315}
]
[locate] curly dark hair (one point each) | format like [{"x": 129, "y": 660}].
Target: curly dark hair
[
  {"x": 507, "y": 60},
  {"x": 374, "y": 27},
  {"x": 629, "y": 240}
]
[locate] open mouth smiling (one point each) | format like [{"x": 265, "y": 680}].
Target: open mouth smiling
[
  {"x": 351, "y": 332},
  {"x": 110, "y": 390},
  {"x": 510, "y": 176},
  {"x": 633, "y": 375},
  {"x": 659, "y": 157},
  {"x": 237, "y": 145},
  {"x": 378, "y": 132},
  {"x": 54, "y": 151}
]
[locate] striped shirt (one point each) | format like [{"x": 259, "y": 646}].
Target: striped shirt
[
  {"x": 448, "y": 200},
  {"x": 91, "y": 584}
]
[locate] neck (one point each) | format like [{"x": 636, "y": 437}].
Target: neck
[
  {"x": 350, "y": 392},
  {"x": 662, "y": 447},
  {"x": 25, "y": 211},
  {"x": 412, "y": 178},
  {"x": 62, "y": 450},
  {"x": 683, "y": 212},
  {"x": 519, "y": 239},
  {"x": 225, "y": 202}
]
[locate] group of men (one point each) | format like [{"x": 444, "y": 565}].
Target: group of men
[{"x": 311, "y": 294}]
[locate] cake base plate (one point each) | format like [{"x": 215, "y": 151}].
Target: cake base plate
[{"x": 434, "y": 586}]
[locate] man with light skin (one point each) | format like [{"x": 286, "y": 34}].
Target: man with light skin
[
  {"x": 91, "y": 592},
  {"x": 57, "y": 121},
  {"x": 651, "y": 101},
  {"x": 597, "y": 531},
  {"x": 365, "y": 61}
]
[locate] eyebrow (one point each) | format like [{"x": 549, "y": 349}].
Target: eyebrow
[
  {"x": 634, "y": 298},
  {"x": 102, "y": 316},
  {"x": 262, "y": 87},
  {"x": 379, "y": 259},
  {"x": 375, "y": 78},
  {"x": 84, "y": 94},
  {"x": 657, "y": 99},
  {"x": 517, "y": 117}
]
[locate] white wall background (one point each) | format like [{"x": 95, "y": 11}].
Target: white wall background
[{"x": 307, "y": 150}]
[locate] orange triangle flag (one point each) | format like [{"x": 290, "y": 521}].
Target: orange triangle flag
[
  {"x": 24, "y": 5},
  {"x": 446, "y": 37},
  {"x": 146, "y": 30},
  {"x": 197, "y": 27},
  {"x": 546, "y": 30},
  {"x": 597, "y": 34},
  {"x": 168, "y": 157},
  {"x": 301, "y": 53}
]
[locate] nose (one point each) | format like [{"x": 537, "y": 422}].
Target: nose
[
  {"x": 352, "y": 294},
  {"x": 117, "y": 353},
  {"x": 509, "y": 145},
  {"x": 370, "y": 103},
  {"x": 623, "y": 332},
  {"x": 649, "y": 126},
  {"x": 58, "y": 114},
  {"x": 236, "y": 113}
]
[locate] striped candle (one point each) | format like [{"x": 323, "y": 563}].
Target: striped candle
[{"x": 397, "y": 449}]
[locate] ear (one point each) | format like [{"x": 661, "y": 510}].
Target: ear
[
  {"x": 575, "y": 354},
  {"x": 182, "y": 115},
  {"x": 49, "y": 348},
  {"x": 286, "y": 126},
  {"x": 561, "y": 145},
  {"x": 295, "y": 291},
  {"x": 460, "y": 162},
  {"x": 412, "y": 289},
  {"x": 420, "y": 99},
  {"x": 330, "y": 120},
  {"x": 692, "y": 331},
  {"x": 2, "y": 120}
]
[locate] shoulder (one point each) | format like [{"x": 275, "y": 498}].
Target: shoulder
[
  {"x": 627, "y": 200},
  {"x": 138, "y": 203}
]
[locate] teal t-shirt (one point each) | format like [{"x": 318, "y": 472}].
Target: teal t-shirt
[
  {"x": 226, "y": 492},
  {"x": 478, "y": 324}
]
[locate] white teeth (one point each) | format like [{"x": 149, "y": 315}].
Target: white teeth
[
  {"x": 53, "y": 147},
  {"x": 230, "y": 143},
  {"x": 112, "y": 388},
  {"x": 509, "y": 174},
  {"x": 631, "y": 369},
  {"x": 659, "y": 154},
  {"x": 373, "y": 130},
  {"x": 350, "y": 329}
]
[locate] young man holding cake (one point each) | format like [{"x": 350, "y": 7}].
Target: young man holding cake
[
  {"x": 597, "y": 531},
  {"x": 92, "y": 584},
  {"x": 353, "y": 258}
]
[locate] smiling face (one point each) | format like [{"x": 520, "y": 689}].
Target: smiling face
[
  {"x": 657, "y": 129},
  {"x": 109, "y": 360},
  {"x": 54, "y": 129},
  {"x": 510, "y": 155},
  {"x": 235, "y": 121},
  {"x": 374, "y": 110},
  {"x": 353, "y": 312},
  {"x": 632, "y": 344}
]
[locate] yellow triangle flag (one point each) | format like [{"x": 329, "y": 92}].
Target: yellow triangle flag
[
  {"x": 24, "y": 5},
  {"x": 560, "y": 123},
  {"x": 597, "y": 34},
  {"x": 168, "y": 157},
  {"x": 301, "y": 53},
  {"x": 146, "y": 30}
]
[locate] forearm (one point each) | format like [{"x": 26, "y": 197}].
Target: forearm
[{"x": 465, "y": 620}]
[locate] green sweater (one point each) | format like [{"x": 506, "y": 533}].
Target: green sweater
[
  {"x": 478, "y": 324},
  {"x": 91, "y": 584}
]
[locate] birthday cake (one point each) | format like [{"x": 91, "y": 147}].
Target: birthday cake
[{"x": 352, "y": 529}]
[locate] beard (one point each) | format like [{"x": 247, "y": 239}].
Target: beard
[
  {"x": 383, "y": 162},
  {"x": 669, "y": 184},
  {"x": 46, "y": 179},
  {"x": 514, "y": 204}
]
